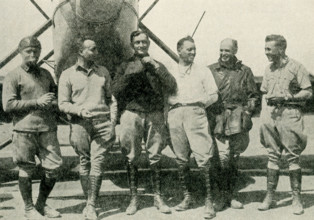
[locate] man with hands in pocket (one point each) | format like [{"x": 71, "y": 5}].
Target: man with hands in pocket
[
  {"x": 188, "y": 123},
  {"x": 85, "y": 96},
  {"x": 29, "y": 94}
]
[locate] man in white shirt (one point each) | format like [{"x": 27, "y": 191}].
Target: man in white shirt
[{"x": 187, "y": 121}]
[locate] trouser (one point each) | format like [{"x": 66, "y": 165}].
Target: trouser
[
  {"x": 91, "y": 140},
  {"x": 137, "y": 125},
  {"x": 283, "y": 129},
  {"x": 44, "y": 145},
  {"x": 189, "y": 132},
  {"x": 232, "y": 146}
]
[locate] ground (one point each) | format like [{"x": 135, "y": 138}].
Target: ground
[
  {"x": 67, "y": 196},
  {"x": 68, "y": 199}
]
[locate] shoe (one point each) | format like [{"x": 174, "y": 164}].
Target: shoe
[
  {"x": 49, "y": 212},
  {"x": 33, "y": 214},
  {"x": 156, "y": 182},
  {"x": 161, "y": 205},
  {"x": 184, "y": 181},
  {"x": 272, "y": 182},
  {"x": 295, "y": 181},
  {"x": 133, "y": 206},
  {"x": 236, "y": 204},
  {"x": 90, "y": 213},
  {"x": 185, "y": 204}
]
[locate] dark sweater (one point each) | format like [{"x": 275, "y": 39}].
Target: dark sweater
[{"x": 142, "y": 88}]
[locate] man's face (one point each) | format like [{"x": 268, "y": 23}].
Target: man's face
[
  {"x": 140, "y": 45},
  {"x": 227, "y": 50},
  {"x": 187, "y": 52},
  {"x": 30, "y": 55},
  {"x": 89, "y": 51},
  {"x": 272, "y": 51}
]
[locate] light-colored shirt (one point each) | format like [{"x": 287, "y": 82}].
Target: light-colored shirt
[
  {"x": 80, "y": 88},
  {"x": 194, "y": 84},
  {"x": 290, "y": 77}
]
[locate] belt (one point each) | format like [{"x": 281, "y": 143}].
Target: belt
[
  {"x": 286, "y": 104},
  {"x": 196, "y": 104},
  {"x": 74, "y": 119}
]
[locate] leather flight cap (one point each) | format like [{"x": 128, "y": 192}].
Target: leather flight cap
[{"x": 29, "y": 41}]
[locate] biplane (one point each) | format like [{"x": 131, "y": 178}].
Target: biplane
[{"x": 108, "y": 22}]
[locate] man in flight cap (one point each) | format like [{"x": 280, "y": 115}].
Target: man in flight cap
[{"x": 29, "y": 95}]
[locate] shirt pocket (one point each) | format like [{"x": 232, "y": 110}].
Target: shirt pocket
[{"x": 287, "y": 80}]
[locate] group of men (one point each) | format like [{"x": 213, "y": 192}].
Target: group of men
[{"x": 200, "y": 108}]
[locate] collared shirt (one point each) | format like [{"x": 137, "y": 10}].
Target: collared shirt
[
  {"x": 21, "y": 89},
  {"x": 288, "y": 78},
  {"x": 194, "y": 84},
  {"x": 80, "y": 88}
]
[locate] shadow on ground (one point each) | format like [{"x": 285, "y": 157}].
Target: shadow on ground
[{"x": 110, "y": 205}]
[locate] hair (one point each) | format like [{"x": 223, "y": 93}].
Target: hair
[
  {"x": 137, "y": 33},
  {"x": 281, "y": 42},
  {"x": 182, "y": 40},
  {"x": 234, "y": 44}
]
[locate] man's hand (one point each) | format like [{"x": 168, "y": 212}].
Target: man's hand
[
  {"x": 134, "y": 68},
  {"x": 150, "y": 61},
  {"x": 86, "y": 114},
  {"x": 45, "y": 99}
]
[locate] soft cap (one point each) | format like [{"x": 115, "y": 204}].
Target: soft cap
[{"x": 29, "y": 41}]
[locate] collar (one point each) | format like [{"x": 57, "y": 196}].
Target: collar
[
  {"x": 186, "y": 70},
  {"x": 136, "y": 57},
  {"x": 94, "y": 67},
  {"x": 232, "y": 64},
  {"x": 30, "y": 69},
  {"x": 282, "y": 64}
]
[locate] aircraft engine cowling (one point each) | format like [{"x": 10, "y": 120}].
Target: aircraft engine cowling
[{"x": 108, "y": 22}]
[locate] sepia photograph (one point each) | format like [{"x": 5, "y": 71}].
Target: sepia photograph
[{"x": 156, "y": 109}]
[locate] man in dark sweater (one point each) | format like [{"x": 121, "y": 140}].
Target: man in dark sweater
[
  {"x": 141, "y": 85},
  {"x": 29, "y": 94}
]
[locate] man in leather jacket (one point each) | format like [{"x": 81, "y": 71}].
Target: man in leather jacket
[{"x": 237, "y": 100}]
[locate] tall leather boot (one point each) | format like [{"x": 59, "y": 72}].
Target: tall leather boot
[
  {"x": 233, "y": 179},
  {"x": 224, "y": 198},
  {"x": 45, "y": 188},
  {"x": 218, "y": 181},
  {"x": 133, "y": 182},
  {"x": 209, "y": 212},
  {"x": 272, "y": 182},
  {"x": 93, "y": 193},
  {"x": 25, "y": 186},
  {"x": 184, "y": 181},
  {"x": 84, "y": 179},
  {"x": 296, "y": 181},
  {"x": 156, "y": 182}
]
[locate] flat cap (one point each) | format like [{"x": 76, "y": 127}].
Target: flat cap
[{"x": 29, "y": 41}]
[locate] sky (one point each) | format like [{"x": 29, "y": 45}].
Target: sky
[{"x": 247, "y": 21}]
